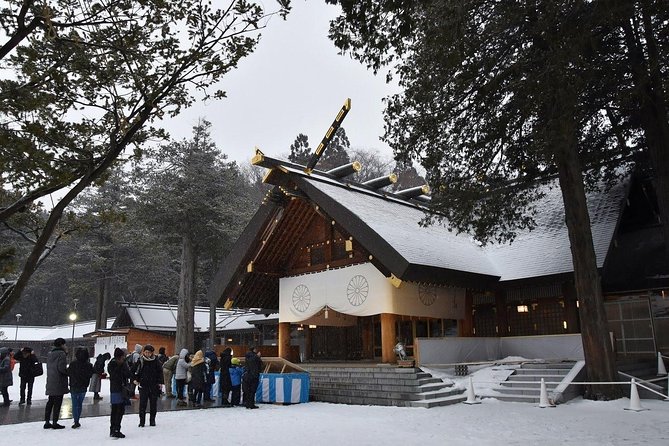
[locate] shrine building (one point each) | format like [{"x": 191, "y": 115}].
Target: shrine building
[{"x": 350, "y": 270}]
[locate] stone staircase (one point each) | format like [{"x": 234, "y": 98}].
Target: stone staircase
[
  {"x": 524, "y": 385},
  {"x": 379, "y": 385}
]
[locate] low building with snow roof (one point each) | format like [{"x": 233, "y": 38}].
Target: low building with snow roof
[
  {"x": 40, "y": 338},
  {"x": 156, "y": 324}
]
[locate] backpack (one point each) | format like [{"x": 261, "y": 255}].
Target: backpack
[
  {"x": 99, "y": 367},
  {"x": 36, "y": 368}
]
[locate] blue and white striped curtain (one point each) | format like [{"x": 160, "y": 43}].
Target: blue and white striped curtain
[{"x": 283, "y": 388}]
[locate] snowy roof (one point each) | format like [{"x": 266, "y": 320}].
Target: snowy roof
[
  {"x": 263, "y": 318},
  {"x": 398, "y": 224},
  {"x": 543, "y": 251},
  {"x": 46, "y": 333},
  {"x": 546, "y": 249},
  {"x": 163, "y": 317}
]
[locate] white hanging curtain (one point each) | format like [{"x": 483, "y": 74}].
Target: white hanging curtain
[{"x": 361, "y": 290}]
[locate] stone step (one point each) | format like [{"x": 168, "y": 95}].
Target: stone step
[
  {"x": 525, "y": 391},
  {"x": 377, "y": 387},
  {"x": 537, "y": 378},
  {"x": 519, "y": 398},
  {"x": 438, "y": 402},
  {"x": 355, "y": 375},
  {"x": 433, "y": 394},
  {"x": 317, "y": 394},
  {"x": 374, "y": 380},
  {"x": 528, "y": 384},
  {"x": 388, "y": 369},
  {"x": 541, "y": 371},
  {"x": 548, "y": 365},
  {"x": 383, "y": 386},
  {"x": 524, "y": 385}
]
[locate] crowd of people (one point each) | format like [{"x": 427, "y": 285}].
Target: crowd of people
[{"x": 140, "y": 371}]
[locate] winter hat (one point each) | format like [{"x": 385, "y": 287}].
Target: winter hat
[
  {"x": 118, "y": 353},
  {"x": 59, "y": 342},
  {"x": 235, "y": 361},
  {"x": 27, "y": 350},
  {"x": 198, "y": 358}
]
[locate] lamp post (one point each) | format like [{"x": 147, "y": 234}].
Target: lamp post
[
  {"x": 16, "y": 334},
  {"x": 73, "y": 318}
]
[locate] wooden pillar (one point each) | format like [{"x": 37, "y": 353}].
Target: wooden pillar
[
  {"x": 284, "y": 340},
  {"x": 466, "y": 325},
  {"x": 500, "y": 311},
  {"x": 388, "y": 337}
]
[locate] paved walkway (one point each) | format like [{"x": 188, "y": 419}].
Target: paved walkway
[{"x": 24, "y": 414}]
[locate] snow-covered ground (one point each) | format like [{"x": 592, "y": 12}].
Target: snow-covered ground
[{"x": 578, "y": 422}]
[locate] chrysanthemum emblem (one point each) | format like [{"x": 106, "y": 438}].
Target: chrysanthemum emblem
[
  {"x": 427, "y": 294},
  {"x": 301, "y": 298},
  {"x": 357, "y": 290}
]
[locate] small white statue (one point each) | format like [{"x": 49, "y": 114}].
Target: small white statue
[{"x": 400, "y": 351}]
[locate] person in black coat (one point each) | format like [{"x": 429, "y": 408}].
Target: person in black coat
[
  {"x": 28, "y": 365},
  {"x": 251, "y": 377},
  {"x": 119, "y": 377},
  {"x": 56, "y": 383},
  {"x": 212, "y": 365},
  {"x": 148, "y": 377},
  {"x": 225, "y": 385},
  {"x": 198, "y": 380},
  {"x": 80, "y": 371}
]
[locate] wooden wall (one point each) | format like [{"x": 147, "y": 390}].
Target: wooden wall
[{"x": 158, "y": 340}]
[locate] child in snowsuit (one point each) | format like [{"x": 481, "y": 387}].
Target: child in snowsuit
[{"x": 236, "y": 371}]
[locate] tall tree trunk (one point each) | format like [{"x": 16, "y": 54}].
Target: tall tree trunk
[
  {"x": 656, "y": 128},
  {"x": 186, "y": 296},
  {"x": 212, "y": 324},
  {"x": 103, "y": 299},
  {"x": 644, "y": 66},
  {"x": 599, "y": 357}
]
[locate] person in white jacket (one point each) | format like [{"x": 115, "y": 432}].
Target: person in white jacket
[{"x": 181, "y": 375}]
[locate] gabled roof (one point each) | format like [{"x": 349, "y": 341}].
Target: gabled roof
[
  {"x": 387, "y": 226},
  {"x": 163, "y": 317}
]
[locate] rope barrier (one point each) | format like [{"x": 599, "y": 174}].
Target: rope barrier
[{"x": 588, "y": 383}]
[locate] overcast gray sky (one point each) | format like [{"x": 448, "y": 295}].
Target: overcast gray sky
[{"x": 295, "y": 82}]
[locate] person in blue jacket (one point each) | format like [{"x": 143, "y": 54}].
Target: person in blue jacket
[{"x": 236, "y": 371}]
